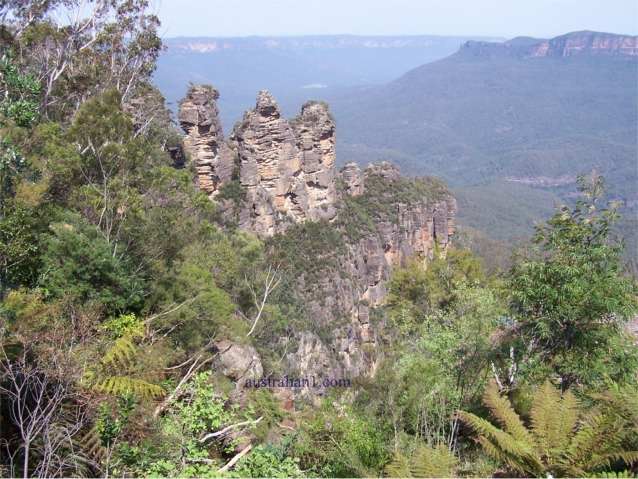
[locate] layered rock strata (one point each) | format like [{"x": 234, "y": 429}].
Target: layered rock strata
[
  {"x": 576, "y": 44},
  {"x": 286, "y": 168},
  {"x": 204, "y": 140}
]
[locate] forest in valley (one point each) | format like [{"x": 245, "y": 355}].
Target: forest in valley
[{"x": 119, "y": 279}]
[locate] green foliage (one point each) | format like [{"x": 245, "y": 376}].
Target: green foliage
[
  {"x": 267, "y": 461},
  {"x": 564, "y": 438},
  {"x": 20, "y": 92},
  {"x": 116, "y": 373},
  {"x": 233, "y": 191},
  {"x": 570, "y": 296},
  {"x": 424, "y": 462},
  {"x": 109, "y": 423},
  {"x": 12, "y": 164},
  {"x": 361, "y": 215},
  {"x": 307, "y": 248},
  {"x": 19, "y": 247},
  {"x": 205, "y": 411},
  {"x": 338, "y": 441},
  {"x": 77, "y": 261},
  {"x": 124, "y": 325},
  {"x": 433, "y": 285},
  {"x": 180, "y": 452}
]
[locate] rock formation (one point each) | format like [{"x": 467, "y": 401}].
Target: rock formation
[
  {"x": 286, "y": 170},
  {"x": 342, "y": 298},
  {"x": 352, "y": 179},
  {"x": 204, "y": 141}
]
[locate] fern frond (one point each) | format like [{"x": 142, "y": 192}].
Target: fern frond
[
  {"x": 92, "y": 444},
  {"x": 599, "y": 434},
  {"x": 121, "y": 353},
  {"x": 502, "y": 410},
  {"x": 433, "y": 462},
  {"x": 542, "y": 416},
  {"x": 500, "y": 456},
  {"x": 613, "y": 475},
  {"x": 508, "y": 445},
  {"x": 118, "y": 385},
  {"x": 553, "y": 420},
  {"x": 398, "y": 467},
  {"x": 628, "y": 457}
]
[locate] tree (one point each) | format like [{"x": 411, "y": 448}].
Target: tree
[
  {"x": 564, "y": 439},
  {"x": 570, "y": 298},
  {"x": 444, "y": 316},
  {"x": 101, "y": 45},
  {"x": 77, "y": 262},
  {"x": 19, "y": 248}
]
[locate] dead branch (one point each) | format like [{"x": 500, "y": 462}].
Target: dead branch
[
  {"x": 234, "y": 460},
  {"x": 273, "y": 279},
  {"x": 224, "y": 431}
]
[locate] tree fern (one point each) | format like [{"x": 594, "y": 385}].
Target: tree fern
[
  {"x": 433, "y": 462},
  {"x": 121, "y": 353},
  {"x": 563, "y": 440},
  {"x": 503, "y": 412},
  {"x": 553, "y": 420}
]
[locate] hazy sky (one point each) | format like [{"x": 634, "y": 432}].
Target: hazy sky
[{"x": 507, "y": 18}]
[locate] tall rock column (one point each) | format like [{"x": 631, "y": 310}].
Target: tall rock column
[
  {"x": 315, "y": 133},
  {"x": 204, "y": 141},
  {"x": 287, "y": 168}
]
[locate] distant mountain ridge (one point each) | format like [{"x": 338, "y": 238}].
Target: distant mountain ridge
[
  {"x": 292, "y": 68},
  {"x": 216, "y": 44},
  {"x": 583, "y": 43},
  {"x": 528, "y": 113}
]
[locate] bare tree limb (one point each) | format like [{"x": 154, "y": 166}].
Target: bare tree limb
[
  {"x": 272, "y": 282},
  {"x": 234, "y": 460},
  {"x": 224, "y": 431}
]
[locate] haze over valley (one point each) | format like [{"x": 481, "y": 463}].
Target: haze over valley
[{"x": 490, "y": 116}]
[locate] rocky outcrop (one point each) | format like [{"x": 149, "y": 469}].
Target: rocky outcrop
[
  {"x": 377, "y": 218},
  {"x": 343, "y": 297},
  {"x": 204, "y": 141},
  {"x": 586, "y": 43},
  {"x": 238, "y": 362},
  {"x": 286, "y": 168},
  {"x": 352, "y": 179},
  {"x": 574, "y": 44}
]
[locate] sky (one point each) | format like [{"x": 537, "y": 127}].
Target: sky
[{"x": 499, "y": 18}]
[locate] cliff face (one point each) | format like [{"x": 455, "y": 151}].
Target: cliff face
[
  {"x": 286, "y": 168},
  {"x": 587, "y": 43},
  {"x": 576, "y": 44},
  {"x": 204, "y": 141},
  {"x": 375, "y": 220},
  {"x": 341, "y": 298}
]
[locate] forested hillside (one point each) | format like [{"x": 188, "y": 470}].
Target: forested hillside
[
  {"x": 191, "y": 303},
  {"x": 508, "y": 112}
]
